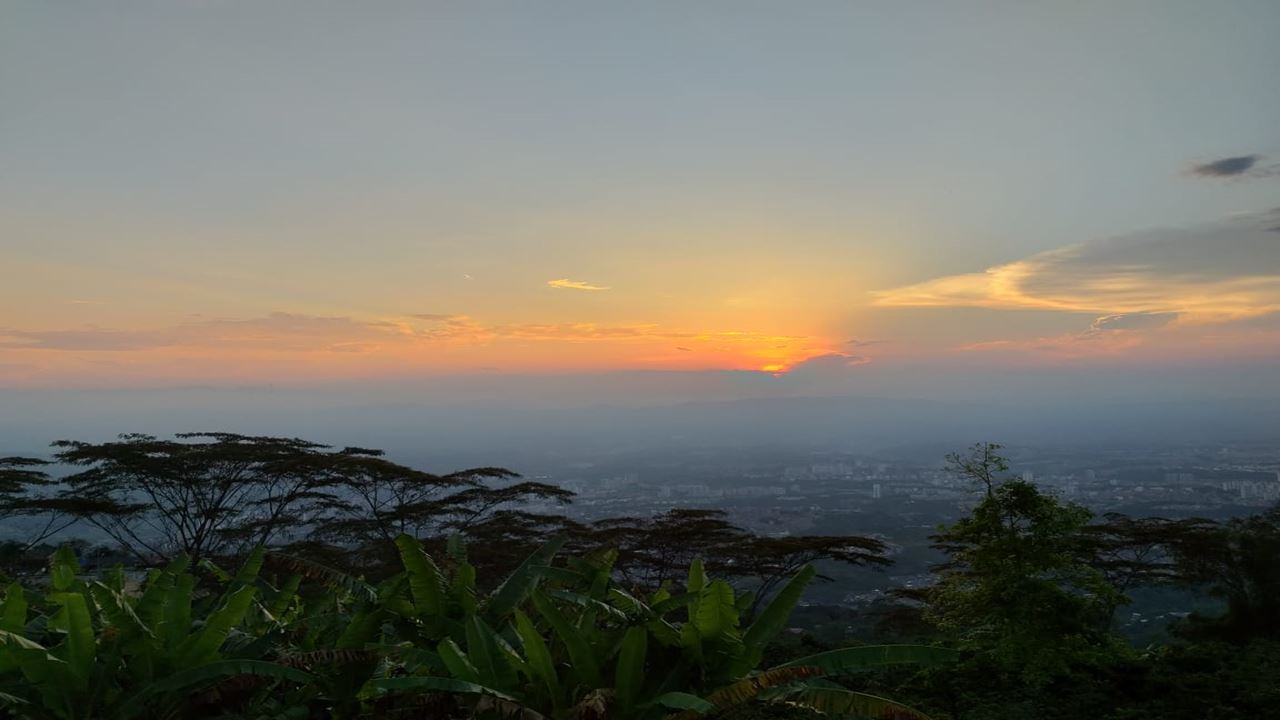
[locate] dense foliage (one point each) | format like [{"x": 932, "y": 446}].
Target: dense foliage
[
  {"x": 370, "y": 589},
  {"x": 286, "y": 637}
]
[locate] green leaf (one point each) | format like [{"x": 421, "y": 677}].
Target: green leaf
[
  {"x": 413, "y": 658},
  {"x": 145, "y": 700},
  {"x": 64, "y": 569},
  {"x": 80, "y": 646},
  {"x": 425, "y": 579},
  {"x": 459, "y": 665},
  {"x": 177, "y": 611},
  {"x": 14, "y": 640},
  {"x": 252, "y": 566},
  {"x": 772, "y": 620},
  {"x": 697, "y": 577},
  {"x": 434, "y": 684},
  {"x": 684, "y": 701},
  {"x": 629, "y": 674},
  {"x": 455, "y": 546},
  {"x": 464, "y": 587},
  {"x": 521, "y": 581},
  {"x": 588, "y": 603},
  {"x": 628, "y": 603},
  {"x": 673, "y": 602},
  {"x": 868, "y": 657},
  {"x": 849, "y": 704},
  {"x": 774, "y": 617},
  {"x": 202, "y": 646},
  {"x": 486, "y": 653},
  {"x": 696, "y": 583},
  {"x": 537, "y": 654},
  {"x": 212, "y": 568},
  {"x": 319, "y": 572},
  {"x": 361, "y": 629},
  {"x": 150, "y": 605},
  {"x": 13, "y": 615},
  {"x": 717, "y": 615},
  {"x": 580, "y": 653},
  {"x": 118, "y": 611},
  {"x": 284, "y": 596}
]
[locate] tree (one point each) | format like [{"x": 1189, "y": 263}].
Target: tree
[
  {"x": 657, "y": 550},
  {"x": 1017, "y": 584},
  {"x": 771, "y": 560},
  {"x": 1239, "y": 561},
  {"x": 214, "y": 494},
  {"x": 25, "y": 492},
  {"x": 202, "y": 494},
  {"x": 1136, "y": 552},
  {"x": 383, "y": 500}
]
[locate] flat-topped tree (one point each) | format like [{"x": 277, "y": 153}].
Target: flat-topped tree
[
  {"x": 202, "y": 494},
  {"x": 384, "y": 500},
  {"x": 26, "y": 491},
  {"x": 657, "y": 550},
  {"x": 215, "y": 494}
]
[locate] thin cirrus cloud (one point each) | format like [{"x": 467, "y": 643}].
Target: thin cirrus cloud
[
  {"x": 1109, "y": 335},
  {"x": 277, "y": 331},
  {"x": 1217, "y": 273},
  {"x": 567, "y": 284},
  {"x": 414, "y": 341},
  {"x": 299, "y": 332}
]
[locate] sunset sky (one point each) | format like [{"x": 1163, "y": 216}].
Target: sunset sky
[{"x": 226, "y": 193}]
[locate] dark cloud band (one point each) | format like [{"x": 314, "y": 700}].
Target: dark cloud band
[{"x": 1227, "y": 167}]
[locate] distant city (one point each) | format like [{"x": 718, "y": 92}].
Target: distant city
[{"x": 902, "y": 498}]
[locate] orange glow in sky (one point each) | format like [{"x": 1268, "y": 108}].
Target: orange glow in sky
[{"x": 214, "y": 193}]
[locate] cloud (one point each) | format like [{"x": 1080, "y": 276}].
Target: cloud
[
  {"x": 424, "y": 336},
  {"x": 1215, "y": 273},
  {"x": 278, "y": 331},
  {"x": 1226, "y": 167},
  {"x": 567, "y": 284},
  {"x": 824, "y": 365},
  {"x": 862, "y": 343},
  {"x": 1137, "y": 321},
  {"x": 1234, "y": 167}
]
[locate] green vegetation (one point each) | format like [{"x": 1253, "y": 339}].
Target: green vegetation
[
  {"x": 285, "y": 637},
  {"x": 366, "y": 589}
]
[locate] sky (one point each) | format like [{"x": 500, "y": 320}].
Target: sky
[{"x": 884, "y": 198}]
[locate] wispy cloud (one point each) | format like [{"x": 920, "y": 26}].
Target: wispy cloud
[
  {"x": 422, "y": 339},
  {"x": 1217, "y": 273},
  {"x": 277, "y": 331},
  {"x": 567, "y": 284}
]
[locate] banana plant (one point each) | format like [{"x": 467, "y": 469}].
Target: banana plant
[
  {"x": 585, "y": 649},
  {"x": 555, "y": 639},
  {"x": 90, "y": 649}
]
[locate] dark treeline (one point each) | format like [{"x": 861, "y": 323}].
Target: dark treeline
[
  {"x": 1028, "y": 594},
  {"x": 217, "y": 496}
]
